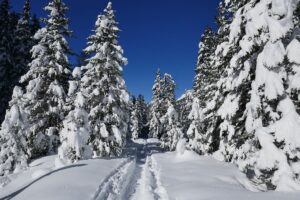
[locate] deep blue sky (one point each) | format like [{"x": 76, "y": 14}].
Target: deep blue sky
[{"x": 155, "y": 34}]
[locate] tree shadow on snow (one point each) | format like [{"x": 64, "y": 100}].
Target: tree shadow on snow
[{"x": 14, "y": 194}]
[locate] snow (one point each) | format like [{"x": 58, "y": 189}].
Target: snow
[
  {"x": 273, "y": 54},
  {"x": 293, "y": 51},
  {"x": 196, "y": 112},
  {"x": 144, "y": 190},
  {"x": 198, "y": 177},
  {"x": 39, "y": 173},
  {"x": 43, "y": 181},
  {"x": 180, "y": 175},
  {"x": 186, "y": 94}
]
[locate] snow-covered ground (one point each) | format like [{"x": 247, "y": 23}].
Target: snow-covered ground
[
  {"x": 42, "y": 181},
  {"x": 193, "y": 177},
  {"x": 152, "y": 175}
]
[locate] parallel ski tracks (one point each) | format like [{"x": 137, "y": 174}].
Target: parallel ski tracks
[{"x": 126, "y": 181}]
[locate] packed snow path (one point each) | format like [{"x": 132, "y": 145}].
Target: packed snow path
[{"x": 134, "y": 180}]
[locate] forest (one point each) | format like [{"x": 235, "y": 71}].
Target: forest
[{"x": 243, "y": 109}]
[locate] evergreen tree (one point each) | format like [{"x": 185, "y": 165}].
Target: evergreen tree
[
  {"x": 76, "y": 131},
  {"x": 207, "y": 75},
  {"x": 168, "y": 87},
  {"x": 7, "y": 69},
  {"x": 184, "y": 107},
  {"x": 258, "y": 114},
  {"x": 155, "y": 110},
  {"x": 104, "y": 87},
  {"x": 173, "y": 131},
  {"x": 139, "y": 117},
  {"x": 23, "y": 43},
  {"x": 13, "y": 144},
  {"x": 209, "y": 87},
  {"x": 134, "y": 120},
  {"x": 143, "y": 114},
  {"x": 167, "y": 98},
  {"x": 195, "y": 133},
  {"x": 47, "y": 80}
]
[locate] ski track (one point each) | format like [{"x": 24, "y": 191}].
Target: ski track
[
  {"x": 136, "y": 179},
  {"x": 111, "y": 187}
]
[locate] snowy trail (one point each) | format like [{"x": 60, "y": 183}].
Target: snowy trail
[
  {"x": 135, "y": 180},
  {"x": 149, "y": 186},
  {"x": 111, "y": 187},
  {"x": 145, "y": 184}
]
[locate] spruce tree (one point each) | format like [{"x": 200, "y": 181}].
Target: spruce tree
[
  {"x": 173, "y": 132},
  {"x": 13, "y": 144},
  {"x": 134, "y": 120},
  {"x": 76, "y": 130},
  {"x": 139, "y": 117},
  {"x": 168, "y": 98},
  {"x": 47, "y": 80},
  {"x": 195, "y": 133},
  {"x": 258, "y": 113},
  {"x": 104, "y": 87},
  {"x": 168, "y": 87},
  {"x": 184, "y": 107},
  {"x": 214, "y": 57},
  {"x": 155, "y": 110},
  {"x": 143, "y": 114},
  {"x": 23, "y": 43},
  {"x": 205, "y": 85},
  {"x": 7, "y": 69}
]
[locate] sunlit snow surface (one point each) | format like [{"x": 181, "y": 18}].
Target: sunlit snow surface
[
  {"x": 79, "y": 181},
  {"x": 179, "y": 175},
  {"x": 193, "y": 177}
]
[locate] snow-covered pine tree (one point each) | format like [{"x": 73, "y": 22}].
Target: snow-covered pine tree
[
  {"x": 173, "y": 132},
  {"x": 104, "y": 87},
  {"x": 7, "y": 26},
  {"x": 143, "y": 113},
  {"x": 168, "y": 98},
  {"x": 13, "y": 144},
  {"x": 23, "y": 43},
  {"x": 195, "y": 133},
  {"x": 47, "y": 80},
  {"x": 204, "y": 85},
  {"x": 259, "y": 116},
  {"x": 134, "y": 120},
  {"x": 76, "y": 131},
  {"x": 155, "y": 109},
  {"x": 205, "y": 75},
  {"x": 184, "y": 107},
  {"x": 168, "y": 87},
  {"x": 218, "y": 59}
]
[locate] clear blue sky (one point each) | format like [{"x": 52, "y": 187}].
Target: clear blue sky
[{"x": 155, "y": 34}]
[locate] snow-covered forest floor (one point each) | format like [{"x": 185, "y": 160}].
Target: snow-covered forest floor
[{"x": 144, "y": 172}]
